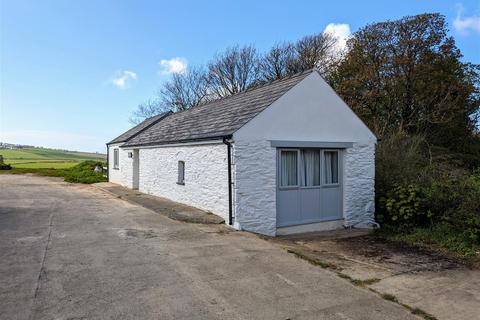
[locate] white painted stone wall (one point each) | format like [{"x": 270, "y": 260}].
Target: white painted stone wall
[
  {"x": 255, "y": 186},
  {"x": 359, "y": 185},
  {"x": 122, "y": 175},
  {"x": 310, "y": 111},
  {"x": 206, "y": 175}
]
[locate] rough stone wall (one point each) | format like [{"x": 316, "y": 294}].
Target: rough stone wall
[
  {"x": 206, "y": 174},
  {"x": 359, "y": 185},
  {"x": 255, "y": 186},
  {"x": 122, "y": 175}
]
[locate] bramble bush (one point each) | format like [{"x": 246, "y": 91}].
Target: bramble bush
[{"x": 427, "y": 197}]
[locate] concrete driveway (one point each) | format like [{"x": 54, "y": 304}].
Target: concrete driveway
[{"x": 74, "y": 252}]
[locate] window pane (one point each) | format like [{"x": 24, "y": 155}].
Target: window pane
[
  {"x": 288, "y": 174},
  {"x": 181, "y": 172},
  {"x": 311, "y": 167},
  {"x": 330, "y": 167},
  {"x": 115, "y": 158}
]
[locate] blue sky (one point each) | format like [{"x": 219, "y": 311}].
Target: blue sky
[{"x": 71, "y": 72}]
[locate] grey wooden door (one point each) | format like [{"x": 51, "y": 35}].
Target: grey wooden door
[{"x": 309, "y": 187}]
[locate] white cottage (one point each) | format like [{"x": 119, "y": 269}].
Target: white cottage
[{"x": 286, "y": 157}]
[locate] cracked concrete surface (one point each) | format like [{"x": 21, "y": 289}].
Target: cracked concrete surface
[
  {"x": 74, "y": 252},
  {"x": 439, "y": 285}
]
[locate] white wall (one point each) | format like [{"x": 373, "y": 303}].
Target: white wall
[
  {"x": 255, "y": 186},
  {"x": 310, "y": 111},
  {"x": 206, "y": 174},
  {"x": 122, "y": 175},
  {"x": 359, "y": 185}
]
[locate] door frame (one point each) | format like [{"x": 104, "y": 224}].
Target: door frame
[{"x": 299, "y": 187}]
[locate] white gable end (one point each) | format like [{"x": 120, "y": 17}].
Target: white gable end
[{"x": 310, "y": 111}]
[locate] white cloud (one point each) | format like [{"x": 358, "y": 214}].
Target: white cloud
[
  {"x": 174, "y": 65},
  {"x": 340, "y": 31},
  {"x": 122, "y": 79},
  {"x": 463, "y": 24}
]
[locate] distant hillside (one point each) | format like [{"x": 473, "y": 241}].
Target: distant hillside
[{"x": 46, "y": 158}]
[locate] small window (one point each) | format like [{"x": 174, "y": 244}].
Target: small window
[
  {"x": 115, "y": 158},
  {"x": 330, "y": 167},
  {"x": 288, "y": 168},
  {"x": 181, "y": 172}
]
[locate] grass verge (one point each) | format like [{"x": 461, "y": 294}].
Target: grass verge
[{"x": 313, "y": 260}]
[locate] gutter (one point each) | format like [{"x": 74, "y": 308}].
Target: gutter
[
  {"x": 229, "y": 163},
  {"x": 174, "y": 142}
]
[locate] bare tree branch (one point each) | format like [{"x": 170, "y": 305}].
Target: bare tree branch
[{"x": 233, "y": 71}]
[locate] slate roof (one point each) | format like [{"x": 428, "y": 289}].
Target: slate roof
[
  {"x": 139, "y": 128},
  {"x": 215, "y": 119}
]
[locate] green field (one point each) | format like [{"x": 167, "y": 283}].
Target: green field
[{"x": 46, "y": 158}]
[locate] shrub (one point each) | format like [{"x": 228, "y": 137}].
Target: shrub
[
  {"x": 404, "y": 206},
  {"x": 4, "y": 166},
  {"x": 400, "y": 160},
  {"x": 445, "y": 213},
  {"x": 84, "y": 173},
  {"x": 456, "y": 202},
  {"x": 423, "y": 193}
]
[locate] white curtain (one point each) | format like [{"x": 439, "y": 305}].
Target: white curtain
[
  {"x": 330, "y": 167},
  {"x": 289, "y": 168},
  {"x": 311, "y": 167}
]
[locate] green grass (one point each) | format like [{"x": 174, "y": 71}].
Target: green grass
[
  {"x": 47, "y": 154},
  {"x": 44, "y": 164},
  {"x": 41, "y": 158},
  {"x": 80, "y": 173},
  {"x": 74, "y": 167}
]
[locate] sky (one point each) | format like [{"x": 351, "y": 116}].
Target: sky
[{"x": 72, "y": 72}]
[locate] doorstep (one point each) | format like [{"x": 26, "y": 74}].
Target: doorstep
[{"x": 169, "y": 208}]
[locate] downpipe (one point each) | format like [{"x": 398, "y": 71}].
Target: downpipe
[{"x": 229, "y": 163}]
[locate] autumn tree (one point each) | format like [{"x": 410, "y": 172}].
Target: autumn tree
[{"x": 407, "y": 75}]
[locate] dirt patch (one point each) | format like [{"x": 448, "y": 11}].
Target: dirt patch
[{"x": 397, "y": 256}]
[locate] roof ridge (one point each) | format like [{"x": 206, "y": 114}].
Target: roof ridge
[{"x": 158, "y": 114}]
